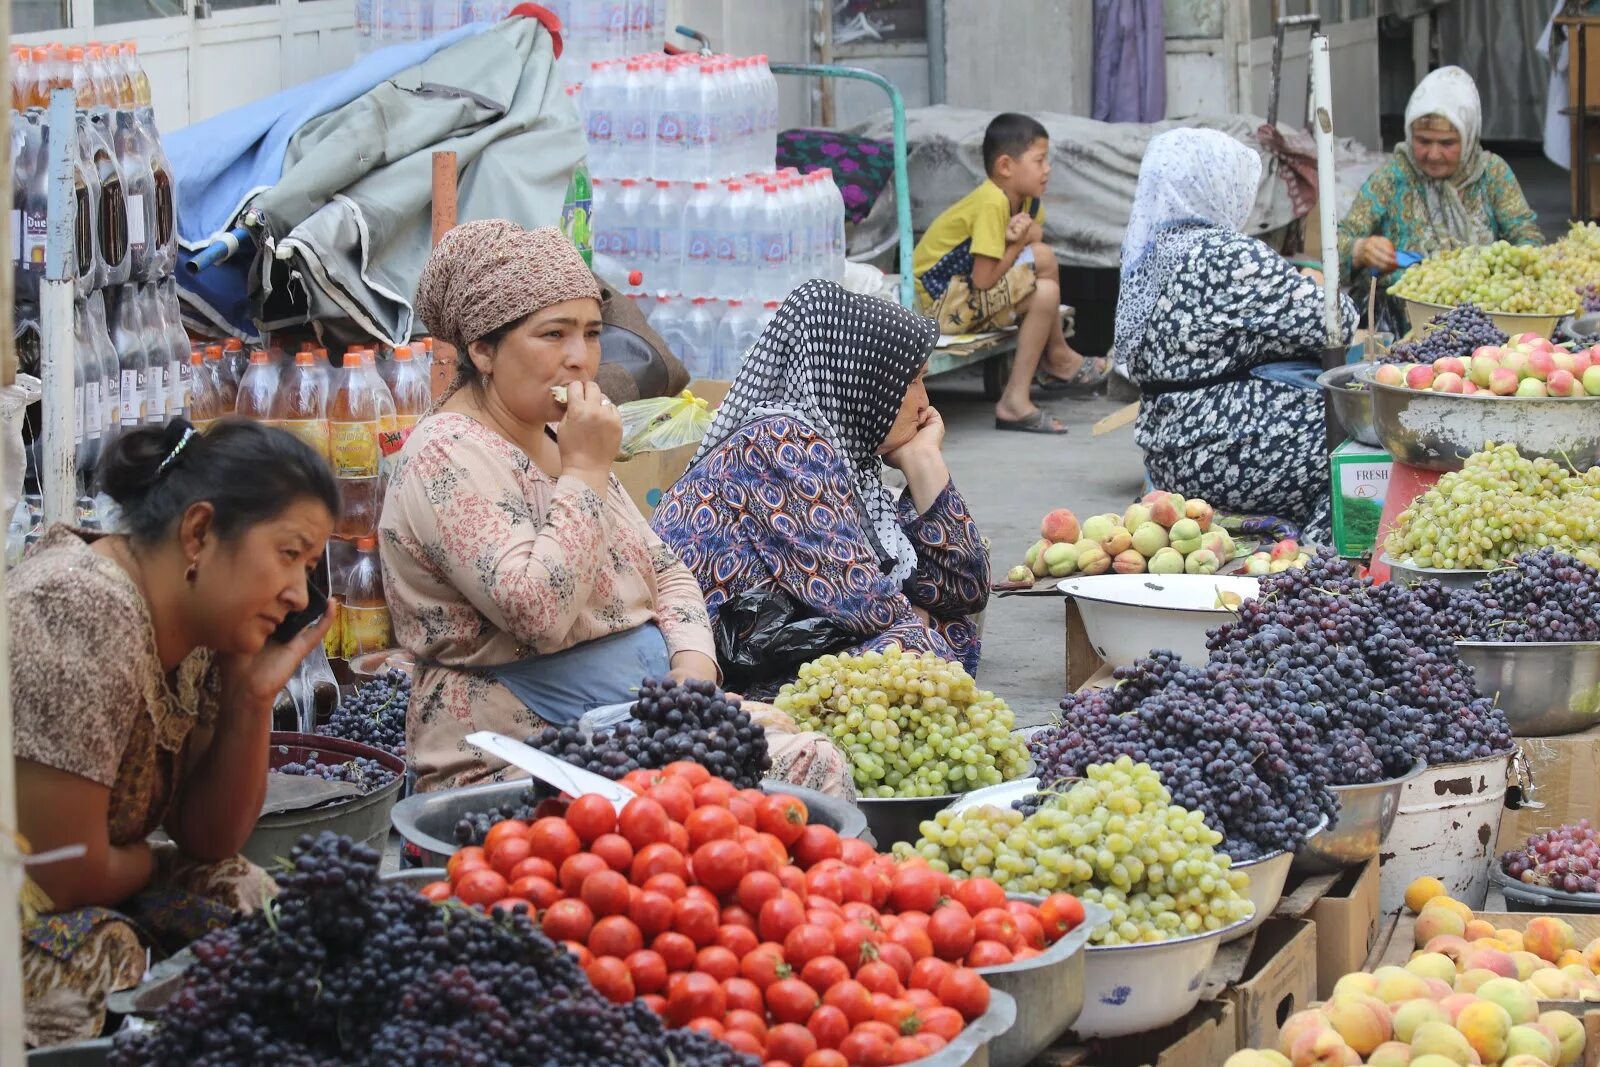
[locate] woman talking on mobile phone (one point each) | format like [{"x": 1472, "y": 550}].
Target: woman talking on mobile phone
[
  {"x": 143, "y": 670},
  {"x": 518, "y": 571}
]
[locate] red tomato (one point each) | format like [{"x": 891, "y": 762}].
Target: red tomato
[
  {"x": 464, "y": 860},
  {"x": 503, "y": 831},
  {"x": 1060, "y": 914},
  {"x": 590, "y": 816},
  {"x": 744, "y": 994},
  {"x": 674, "y": 797},
  {"x": 826, "y": 1057},
  {"x": 849, "y": 939},
  {"x": 511, "y": 851},
  {"x": 553, "y": 839},
  {"x": 611, "y": 978},
  {"x": 550, "y": 807},
  {"x": 481, "y": 886},
  {"x": 790, "y": 1042},
  {"x": 856, "y": 852},
  {"x": 978, "y": 894},
  {"x": 792, "y": 878},
  {"x": 880, "y": 880},
  {"x": 706, "y": 1026},
  {"x": 719, "y": 865},
  {"x": 965, "y": 990},
  {"x": 676, "y": 949},
  {"x": 1019, "y": 908},
  {"x": 898, "y": 1012},
  {"x": 615, "y": 935},
  {"x": 744, "y": 812},
  {"x": 437, "y": 891},
  {"x": 763, "y": 856},
  {"x": 914, "y": 939},
  {"x": 952, "y": 932},
  {"x": 536, "y": 866},
  {"x": 713, "y": 791},
  {"x": 879, "y": 977},
  {"x": 1030, "y": 934},
  {"x": 828, "y": 920},
  {"x": 643, "y": 822},
  {"x": 694, "y": 995},
  {"x": 748, "y": 1043},
  {"x": 852, "y": 998},
  {"x": 828, "y": 1025},
  {"x": 639, "y": 780},
  {"x": 649, "y": 970},
  {"x": 718, "y": 962},
  {"x": 898, "y": 958},
  {"x": 740, "y": 940},
  {"x": 693, "y": 773},
  {"x": 853, "y": 884},
  {"x": 710, "y": 824},
  {"x": 996, "y": 924},
  {"x": 907, "y": 1050},
  {"x": 865, "y": 1048},
  {"x": 678, "y": 837},
  {"x": 780, "y": 915},
  {"x": 656, "y": 1003},
  {"x": 805, "y": 943},
  {"x": 651, "y": 912},
  {"x": 751, "y": 1021},
  {"x": 733, "y": 915},
  {"x": 923, "y": 999},
  {"x": 946, "y": 1022},
  {"x": 825, "y": 883},
  {"x": 568, "y": 920},
  {"x": 615, "y": 850},
  {"x": 671, "y": 886},
  {"x": 765, "y": 966},
  {"x": 914, "y": 889},
  {"x": 576, "y": 869},
  {"x": 696, "y": 920},
  {"x": 701, "y": 893},
  {"x": 989, "y": 954},
  {"x": 824, "y": 972},
  {"x": 654, "y": 859},
  {"x": 928, "y": 973},
  {"x": 539, "y": 891},
  {"x": 815, "y": 844},
  {"x": 579, "y": 951},
  {"x": 784, "y": 817},
  {"x": 606, "y": 893}
]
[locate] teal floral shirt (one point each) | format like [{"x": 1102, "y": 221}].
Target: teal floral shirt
[{"x": 1390, "y": 204}]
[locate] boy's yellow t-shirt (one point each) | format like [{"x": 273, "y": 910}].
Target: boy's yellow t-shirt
[{"x": 975, "y": 225}]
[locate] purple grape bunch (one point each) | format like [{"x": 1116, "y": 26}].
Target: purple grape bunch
[
  {"x": 1457, "y": 332},
  {"x": 1545, "y": 595},
  {"x": 1565, "y": 858}
]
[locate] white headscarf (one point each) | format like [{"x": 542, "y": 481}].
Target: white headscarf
[
  {"x": 1451, "y": 94},
  {"x": 1201, "y": 180}
]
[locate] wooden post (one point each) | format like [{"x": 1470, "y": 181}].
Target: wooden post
[
  {"x": 57, "y": 358},
  {"x": 444, "y": 220}
]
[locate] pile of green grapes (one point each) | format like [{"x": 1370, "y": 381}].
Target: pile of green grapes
[
  {"x": 1114, "y": 838},
  {"x": 913, "y": 725},
  {"x": 1576, "y": 257},
  {"x": 1500, "y": 505},
  {"x": 1521, "y": 279}
]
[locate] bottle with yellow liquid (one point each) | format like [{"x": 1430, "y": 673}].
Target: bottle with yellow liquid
[
  {"x": 301, "y": 406},
  {"x": 365, "y": 617},
  {"x": 353, "y": 424}
]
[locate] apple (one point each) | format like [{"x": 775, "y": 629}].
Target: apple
[
  {"x": 1540, "y": 364},
  {"x": 1389, "y": 374},
  {"x": 1482, "y": 366},
  {"x": 1450, "y": 365},
  {"x": 1561, "y": 383},
  {"x": 1419, "y": 377},
  {"x": 1503, "y": 382},
  {"x": 1591, "y": 380},
  {"x": 1448, "y": 382},
  {"x": 1531, "y": 387}
]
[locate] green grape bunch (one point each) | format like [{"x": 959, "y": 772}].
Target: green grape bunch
[
  {"x": 1498, "y": 506},
  {"x": 1113, "y": 837},
  {"x": 1500, "y": 277},
  {"x": 911, "y": 724}
]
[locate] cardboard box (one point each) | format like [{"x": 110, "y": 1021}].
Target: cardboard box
[
  {"x": 1279, "y": 979},
  {"x": 650, "y": 474},
  {"x": 1360, "y": 484},
  {"x": 1402, "y": 939},
  {"x": 1203, "y": 1038},
  {"x": 1083, "y": 662},
  {"x": 1566, "y": 780},
  {"x": 1347, "y": 925}
]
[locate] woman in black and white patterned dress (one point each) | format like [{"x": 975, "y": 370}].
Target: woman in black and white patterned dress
[{"x": 1201, "y": 306}]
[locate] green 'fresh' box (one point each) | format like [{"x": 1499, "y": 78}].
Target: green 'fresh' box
[{"x": 1360, "y": 484}]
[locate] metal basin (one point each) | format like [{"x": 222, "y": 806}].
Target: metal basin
[
  {"x": 363, "y": 818},
  {"x": 428, "y": 820},
  {"x": 1366, "y": 814},
  {"x": 1048, "y": 990},
  {"x": 892, "y": 819},
  {"x": 1419, "y": 313},
  {"x": 1267, "y": 876},
  {"x": 94, "y": 1053},
  {"x": 1450, "y": 578},
  {"x": 1438, "y": 431},
  {"x": 1351, "y": 400},
  {"x": 1129, "y": 989},
  {"x": 1126, "y": 616},
  {"x": 971, "y": 1046},
  {"x": 1545, "y": 688}
]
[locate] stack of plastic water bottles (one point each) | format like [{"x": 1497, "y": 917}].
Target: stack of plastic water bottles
[
  {"x": 687, "y": 208},
  {"x": 592, "y": 30}
]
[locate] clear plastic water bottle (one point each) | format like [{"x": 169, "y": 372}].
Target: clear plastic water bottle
[
  {"x": 735, "y": 257},
  {"x": 703, "y": 156},
  {"x": 672, "y": 104},
  {"x": 700, "y": 337},
  {"x": 602, "y": 217},
  {"x": 636, "y": 155},
  {"x": 770, "y": 245},
  {"x": 668, "y": 321},
  {"x": 737, "y": 321},
  {"x": 644, "y": 33},
  {"x": 628, "y": 209},
  {"x": 701, "y": 224},
  {"x": 614, "y": 23},
  {"x": 671, "y": 201},
  {"x": 601, "y": 95},
  {"x": 833, "y": 205}
]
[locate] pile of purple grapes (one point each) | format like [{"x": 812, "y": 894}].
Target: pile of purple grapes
[
  {"x": 1566, "y": 858},
  {"x": 1457, "y": 332}
]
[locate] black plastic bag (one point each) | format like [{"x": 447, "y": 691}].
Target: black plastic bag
[{"x": 765, "y": 634}]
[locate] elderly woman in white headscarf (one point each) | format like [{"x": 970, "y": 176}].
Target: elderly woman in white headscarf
[
  {"x": 1439, "y": 190},
  {"x": 1206, "y": 320}
]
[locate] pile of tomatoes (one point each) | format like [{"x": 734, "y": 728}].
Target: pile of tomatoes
[{"x": 727, "y": 911}]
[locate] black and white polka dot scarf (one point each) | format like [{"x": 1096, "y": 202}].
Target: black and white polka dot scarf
[{"x": 840, "y": 363}]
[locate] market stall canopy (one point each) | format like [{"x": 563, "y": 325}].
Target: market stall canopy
[
  {"x": 1096, "y": 167},
  {"x": 334, "y": 182}
]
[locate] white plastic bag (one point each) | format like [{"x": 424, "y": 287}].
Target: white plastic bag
[{"x": 14, "y": 401}]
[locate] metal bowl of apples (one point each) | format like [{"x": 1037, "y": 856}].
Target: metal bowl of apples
[
  {"x": 1435, "y": 416},
  {"x": 1351, "y": 400}
]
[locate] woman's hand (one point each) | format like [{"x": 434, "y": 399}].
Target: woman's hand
[
  {"x": 929, "y": 441},
  {"x": 1377, "y": 252},
  {"x": 1313, "y": 273},
  {"x": 589, "y": 435},
  {"x": 687, "y": 665},
  {"x": 252, "y": 683}
]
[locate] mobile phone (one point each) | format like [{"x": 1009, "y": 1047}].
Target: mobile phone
[{"x": 317, "y": 593}]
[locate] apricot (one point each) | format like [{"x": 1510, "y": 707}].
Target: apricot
[
  {"x": 1486, "y": 1026},
  {"x": 1569, "y": 1033},
  {"x": 1517, "y": 999},
  {"x": 1441, "y": 1039},
  {"x": 1390, "y": 1054},
  {"x": 1413, "y": 1013},
  {"x": 1422, "y": 890},
  {"x": 1548, "y": 937},
  {"x": 1422, "y": 965},
  {"x": 1436, "y": 921},
  {"x": 1362, "y": 1021},
  {"x": 1534, "y": 1039}
]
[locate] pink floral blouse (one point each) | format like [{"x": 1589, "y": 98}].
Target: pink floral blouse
[{"x": 488, "y": 560}]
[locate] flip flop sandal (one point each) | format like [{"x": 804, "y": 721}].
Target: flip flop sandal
[
  {"x": 1091, "y": 375},
  {"x": 1041, "y": 421}
]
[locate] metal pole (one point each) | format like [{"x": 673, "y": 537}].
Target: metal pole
[
  {"x": 58, "y": 360},
  {"x": 444, "y": 220},
  {"x": 936, "y": 71},
  {"x": 1322, "y": 130}
]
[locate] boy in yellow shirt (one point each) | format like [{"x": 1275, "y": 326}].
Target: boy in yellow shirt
[{"x": 983, "y": 265}]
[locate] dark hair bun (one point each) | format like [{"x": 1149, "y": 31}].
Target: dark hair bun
[{"x": 131, "y": 465}]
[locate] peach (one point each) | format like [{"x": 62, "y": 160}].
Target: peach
[
  {"x": 1511, "y": 938},
  {"x": 1136, "y": 516},
  {"x": 1154, "y": 495},
  {"x": 1435, "y": 921},
  {"x": 1540, "y": 365},
  {"x": 1455, "y": 1002},
  {"x": 1389, "y": 374},
  {"x": 1489, "y": 959},
  {"x": 1164, "y": 512},
  {"x": 1527, "y": 963},
  {"x": 1531, "y": 387},
  {"x": 1478, "y": 928},
  {"x": 1503, "y": 381},
  {"x": 1571, "y": 958},
  {"x": 1581, "y": 361},
  {"x": 1548, "y": 937},
  {"x": 1563, "y": 360},
  {"x": 1524, "y": 1061},
  {"x": 1323, "y": 1049},
  {"x": 1288, "y": 549},
  {"x": 1481, "y": 366},
  {"x": 1591, "y": 955},
  {"x": 1060, "y": 525},
  {"x": 1450, "y": 365},
  {"x": 1296, "y": 1026},
  {"x": 1470, "y": 388},
  {"x": 1390, "y": 1054},
  {"x": 1255, "y": 1057},
  {"x": 1447, "y": 383},
  {"x": 1438, "y": 989},
  {"x": 1486, "y": 1026},
  {"x": 1496, "y": 944},
  {"x": 1470, "y": 980},
  {"x": 1094, "y": 561},
  {"x": 1198, "y": 510},
  {"x": 1569, "y": 1033},
  {"x": 1578, "y": 972},
  {"x": 1426, "y": 965},
  {"x": 1419, "y": 377},
  {"x": 1533, "y": 1039},
  {"x": 1452, "y": 905},
  {"x": 1362, "y": 982},
  {"x": 1097, "y": 528},
  {"x": 1361, "y": 1020},
  {"x": 1516, "y": 361},
  {"x": 1448, "y": 945},
  {"x": 1441, "y": 1039},
  {"x": 1552, "y": 984},
  {"x": 1413, "y": 1013},
  {"x": 1129, "y": 562},
  {"x": 1430, "y": 1059},
  {"x": 1517, "y": 999},
  {"x": 1119, "y": 540}
]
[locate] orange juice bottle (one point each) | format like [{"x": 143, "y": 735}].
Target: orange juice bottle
[
  {"x": 364, "y": 616},
  {"x": 412, "y": 393},
  {"x": 256, "y": 390},
  {"x": 301, "y": 406},
  {"x": 203, "y": 408},
  {"x": 353, "y": 422},
  {"x": 136, "y": 74},
  {"x": 121, "y": 75},
  {"x": 223, "y": 388}
]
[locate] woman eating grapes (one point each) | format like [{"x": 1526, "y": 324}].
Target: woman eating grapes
[
  {"x": 786, "y": 499},
  {"x": 143, "y": 669}
]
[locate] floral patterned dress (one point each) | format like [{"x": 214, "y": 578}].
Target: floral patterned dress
[
  {"x": 1240, "y": 443},
  {"x": 488, "y": 560},
  {"x": 773, "y": 503}
]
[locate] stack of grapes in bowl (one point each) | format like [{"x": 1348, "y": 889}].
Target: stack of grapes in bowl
[{"x": 1556, "y": 870}]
